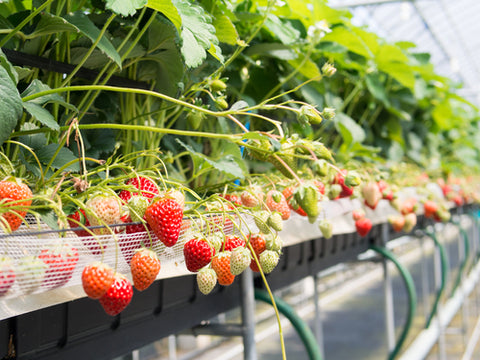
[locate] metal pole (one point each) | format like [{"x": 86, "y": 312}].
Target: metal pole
[
  {"x": 388, "y": 296},
  {"x": 318, "y": 329},
  {"x": 248, "y": 316},
  {"x": 425, "y": 287},
  {"x": 172, "y": 347},
  {"x": 442, "y": 354}
]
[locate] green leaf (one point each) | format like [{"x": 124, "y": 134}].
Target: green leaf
[
  {"x": 274, "y": 50},
  {"x": 226, "y": 165},
  {"x": 167, "y": 8},
  {"x": 351, "y": 132},
  {"x": 125, "y": 7},
  {"x": 225, "y": 30},
  {"x": 347, "y": 38},
  {"x": 376, "y": 87},
  {"x": 88, "y": 29},
  {"x": 306, "y": 67},
  {"x": 198, "y": 34},
  {"x": 284, "y": 31},
  {"x": 64, "y": 156},
  {"x": 51, "y": 24},
  {"x": 400, "y": 72},
  {"x": 11, "y": 108},
  {"x": 36, "y": 86},
  {"x": 41, "y": 114},
  {"x": 443, "y": 115},
  {"x": 8, "y": 67},
  {"x": 239, "y": 105}
]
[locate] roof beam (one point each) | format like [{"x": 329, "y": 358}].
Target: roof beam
[{"x": 356, "y": 3}]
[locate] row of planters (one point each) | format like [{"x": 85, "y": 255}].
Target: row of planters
[{"x": 143, "y": 135}]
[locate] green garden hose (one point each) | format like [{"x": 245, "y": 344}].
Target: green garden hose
[
  {"x": 466, "y": 243},
  {"x": 443, "y": 280},
  {"x": 412, "y": 297},
  {"x": 297, "y": 322}
]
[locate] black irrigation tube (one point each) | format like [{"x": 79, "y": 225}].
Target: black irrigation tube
[
  {"x": 465, "y": 260},
  {"x": 444, "y": 265},
  {"x": 412, "y": 297},
  {"x": 297, "y": 322}
]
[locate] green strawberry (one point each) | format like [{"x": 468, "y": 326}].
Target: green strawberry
[
  {"x": 195, "y": 119},
  {"x": 259, "y": 149},
  {"x": 326, "y": 228},
  {"x": 206, "y": 280},
  {"x": 273, "y": 242},
  {"x": 275, "y": 221},
  {"x": 216, "y": 241},
  {"x": 239, "y": 260},
  {"x": 268, "y": 260},
  {"x": 287, "y": 155},
  {"x": 320, "y": 167},
  {"x": 261, "y": 219},
  {"x": 138, "y": 204},
  {"x": 334, "y": 191},
  {"x": 307, "y": 197}
]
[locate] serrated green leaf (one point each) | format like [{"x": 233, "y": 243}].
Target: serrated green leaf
[
  {"x": 64, "y": 156},
  {"x": 9, "y": 68},
  {"x": 88, "y": 29},
  {"x": 51, "y": 24},
  {"x": 225, "y": 30},
  {"x": 37, "y": 86},
  {"x": 400, "y": 72},
  {"x": 167, "y": 8},
  {"x": 226, "y": 165},
  {"x": 239, "y": 105},
  {"x": 125, "y": 7},
  {"x": 192, "y": 51},
  {"x": 42, "y": 115},
  {"x": 345, "y": 37},
  {"x": 11, "y": 108},
  {"x": 284, "y": 31},
  {"x": 216, "y": 52}
]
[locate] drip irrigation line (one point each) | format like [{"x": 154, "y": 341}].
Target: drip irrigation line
[
  {"x": 297, "y": 322},
  {"x": 412, "y": 297}
]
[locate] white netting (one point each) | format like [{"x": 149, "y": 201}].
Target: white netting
[{"x": 31, "y": 275}]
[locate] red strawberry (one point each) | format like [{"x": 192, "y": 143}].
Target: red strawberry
[
  {"x": 15, "y": 197},
  {"x": 320, "y": 186},
  {"x": 144, "y": 267},
  {"x": 221, "y": 265},
  {"x": 176, "y": 195},
  {"x": 363, "y": 226},
  {"x": 281, "y": 206},
  {"x": 198, "y": 253},
  {"x": 7, "y": 275},
  {"x": 118, "y": 296},
  {"x": 61, "y": 261},
  {"x": 430, "y": 207},
  {"x": 408, "y": 206},
  {"x": 259, "y": 244},
  {"x": 340, "y": 180},
  {"x": 232, "y": 242},
  {"x": 292, "y": 203},
  {"x": 76, "y": 218},
  {"x": 105, "y": 210},
  {"x": 358, "y": 214},
  {"x": 233, "y": 198},
  {"x": 397, "y": 222},
  {"x": 97, "y": 279},
  {"x": 371, "y": 193},
  {"x": 165, "y": 218},
  {"x": 147, "y": 188}
]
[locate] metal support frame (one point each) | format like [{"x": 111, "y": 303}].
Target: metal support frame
[
  {"x": 248, "y": 316},
  {"x": 388, "y": 295},
  {"x": 437, "y": 273},
  {"x": 318, "y": 329},
  {"x": 425, "y": 287}
]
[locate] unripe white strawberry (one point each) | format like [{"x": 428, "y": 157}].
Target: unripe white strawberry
[
  {"x": 206, "y": 280},
  {"x": 268, "y": 260},
  {"x": 371, "y": 193},
  {"x": 239, "y": 260},
  {"x": 104, "y": 210}
]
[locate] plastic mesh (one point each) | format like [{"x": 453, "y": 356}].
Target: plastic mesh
[{"x": 35, "y": 271}]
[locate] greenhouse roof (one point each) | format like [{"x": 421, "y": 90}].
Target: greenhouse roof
[{"x": 448, "y": 30}]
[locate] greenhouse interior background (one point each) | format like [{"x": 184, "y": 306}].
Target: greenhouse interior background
[{"x": 237, "y": 179}]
